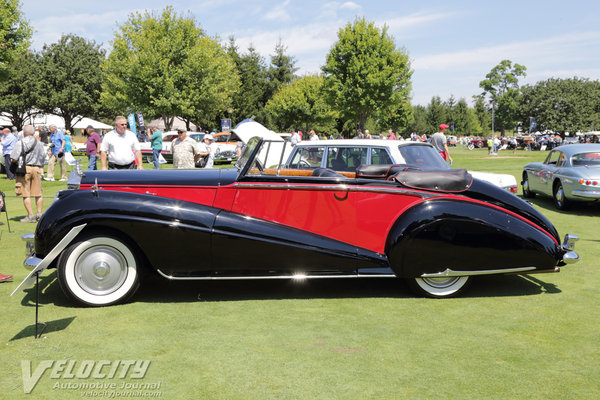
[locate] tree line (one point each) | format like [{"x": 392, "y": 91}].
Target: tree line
[{"x": 163, "y": 64}]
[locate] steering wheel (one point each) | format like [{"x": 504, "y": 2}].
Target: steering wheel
[{"x": 303, "y": 164}]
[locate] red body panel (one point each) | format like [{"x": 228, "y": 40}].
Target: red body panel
[{"x": 358, "y": 218}]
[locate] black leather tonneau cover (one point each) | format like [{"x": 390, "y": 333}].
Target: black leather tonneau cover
[{"x": 453, "y": 180}]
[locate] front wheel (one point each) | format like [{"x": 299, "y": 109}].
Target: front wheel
[
  {"x": 470, "y": 146},
  {"x": 442, "y": 287},
  {"x": 98, "y": 270}
]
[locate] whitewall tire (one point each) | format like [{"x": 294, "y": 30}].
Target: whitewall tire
[
  {"x": 440, "y": 287},
  {"x": 98, "y": 270}
]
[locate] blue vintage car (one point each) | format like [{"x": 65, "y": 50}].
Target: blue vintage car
[{"x": 570, "y": 173}]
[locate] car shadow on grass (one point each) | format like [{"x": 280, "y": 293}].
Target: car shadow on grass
[
  {"x": 157, "y": 291},
  {"x": 587, "y": 209}
]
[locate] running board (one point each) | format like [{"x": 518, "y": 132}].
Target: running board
[
  {"x": 297, "y": 277},
  {"x": 449, "y": 272}
]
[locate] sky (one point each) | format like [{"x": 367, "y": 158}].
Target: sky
[{"x": 451, "y": 45}]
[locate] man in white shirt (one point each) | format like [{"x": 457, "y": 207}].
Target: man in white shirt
[{"x": 122, "y": 146}]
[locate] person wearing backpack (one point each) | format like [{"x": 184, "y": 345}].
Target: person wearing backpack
[{"x": 30, "y": 183}]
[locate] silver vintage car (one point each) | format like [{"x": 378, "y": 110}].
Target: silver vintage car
[{"x": 569, "y": 173}]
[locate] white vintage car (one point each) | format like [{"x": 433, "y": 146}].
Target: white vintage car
[{"x": 347, "y": 155}]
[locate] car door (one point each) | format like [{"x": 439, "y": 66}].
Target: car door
[{"x": 545, "y": 176}]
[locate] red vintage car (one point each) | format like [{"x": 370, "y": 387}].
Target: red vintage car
[{"x": 438, "y": 229}]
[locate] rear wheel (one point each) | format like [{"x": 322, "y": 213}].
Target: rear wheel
[
  {"x": 98, "y": 270},
  {"x": 560, "y": 200},
  {"x": 440, "y": 287},
  {"x": 526, "y": 190}
]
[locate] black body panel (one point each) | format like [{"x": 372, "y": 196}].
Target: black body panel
[
  {"x": 440, "y": 234},
  {"x": 162, "y": 177}
]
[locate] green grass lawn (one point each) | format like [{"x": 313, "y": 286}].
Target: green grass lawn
[{"x": 508, "y": 337}]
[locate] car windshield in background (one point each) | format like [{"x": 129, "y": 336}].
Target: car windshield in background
[
  {"x": 196, "y": 136},
  {"x": 423, "y": 157},
  {"x": 586, "y": 159}
]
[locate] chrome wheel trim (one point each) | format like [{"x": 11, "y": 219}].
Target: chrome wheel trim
[
  {"x": 560, "y": 195},
  {"x": 100, "y": 270},
  {"x": 442, "y": 286}
]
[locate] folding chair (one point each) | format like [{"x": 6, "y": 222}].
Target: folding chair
[{"x": 3, "y": 209}]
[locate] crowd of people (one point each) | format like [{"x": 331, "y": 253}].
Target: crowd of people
[{"x": 116, "y": 149}]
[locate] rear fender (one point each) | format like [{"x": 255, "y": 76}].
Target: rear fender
[{"x": 439, "y": 234}]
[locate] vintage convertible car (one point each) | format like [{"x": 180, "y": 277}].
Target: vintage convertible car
[
  {"x": 437, "y": 229},
  {"x": 569, "y": 173}
]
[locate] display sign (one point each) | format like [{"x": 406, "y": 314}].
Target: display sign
[{"x": 225, "y": 125}]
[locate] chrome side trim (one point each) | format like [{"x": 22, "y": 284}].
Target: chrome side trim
[
  {"x": 297, "y": 277},
  {"x": 30, "y": 279},
  {"x": 449, "y": 272},
  {"x": 337, "y": 188}
]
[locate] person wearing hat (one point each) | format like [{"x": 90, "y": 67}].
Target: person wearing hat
[
  {"x": 92, "y": 147},
  {"x": 208, "y": 150},
  {"x": 186, "y": 151},
  {"x": 441, "y": 144}
]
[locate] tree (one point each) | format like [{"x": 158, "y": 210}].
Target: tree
[
  {"x": 211, "y": 83},
  {"x": 19, "y": 93},
  {"x": 436, "y": 114},
  {"x": 502, "y": 87},
  {"x": 365, "y": 74},
  {"x": 302, "y": 104},
  {"x": 254, "y": 89},
  {"x": 15, "y": 34},
  {"x": 563, "y": 105},
  {"x": 482, "y": 114},
  {"x": 419, "y": 124},
  {"x": 282, "y": 69},
  {"x": 160, "y": 65},
  {"x": 70, "y": 78}
]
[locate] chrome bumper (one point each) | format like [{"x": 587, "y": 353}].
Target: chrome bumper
[
  {"x": 570, "y": 257},
  {"x": 585, "y": 194}
]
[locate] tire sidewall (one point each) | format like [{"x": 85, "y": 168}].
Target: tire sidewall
[{"x": 68, "y": 281}]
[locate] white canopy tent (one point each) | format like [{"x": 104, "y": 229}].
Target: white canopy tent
[{"x": 51, "y": 119}]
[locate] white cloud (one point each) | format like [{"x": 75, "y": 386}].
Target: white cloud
[
  {"x": 413, "y": 21},
  {"x": 279, "y": 13},
  {"x": 350, "y": 5},
  {"x": 531, "y": 53}
]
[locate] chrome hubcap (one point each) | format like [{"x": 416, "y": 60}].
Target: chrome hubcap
[
  {"x": 560, "y": 195},
  {"x": 441, "y": 282},
  {"x": 100, "y": 270}
]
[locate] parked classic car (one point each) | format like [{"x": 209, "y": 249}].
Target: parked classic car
[
  {"x": 570, "y": 173},
  {"x": 168, "y": 137},
  {"x": 437, "y": 229},
  {"x": 345, "y": 155}
]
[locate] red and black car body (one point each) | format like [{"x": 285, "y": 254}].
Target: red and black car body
[{"x": 436, "y": 228}]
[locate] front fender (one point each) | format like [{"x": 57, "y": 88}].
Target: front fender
[
  {"x": 439, "y": 234},
  {"x": 153, "y": 223}
]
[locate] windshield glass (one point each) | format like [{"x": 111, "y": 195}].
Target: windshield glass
[
  {"x": 248, "y": 150},
  {"x": 422, "y": 157},
  {"x": 591, "y": 159}
]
